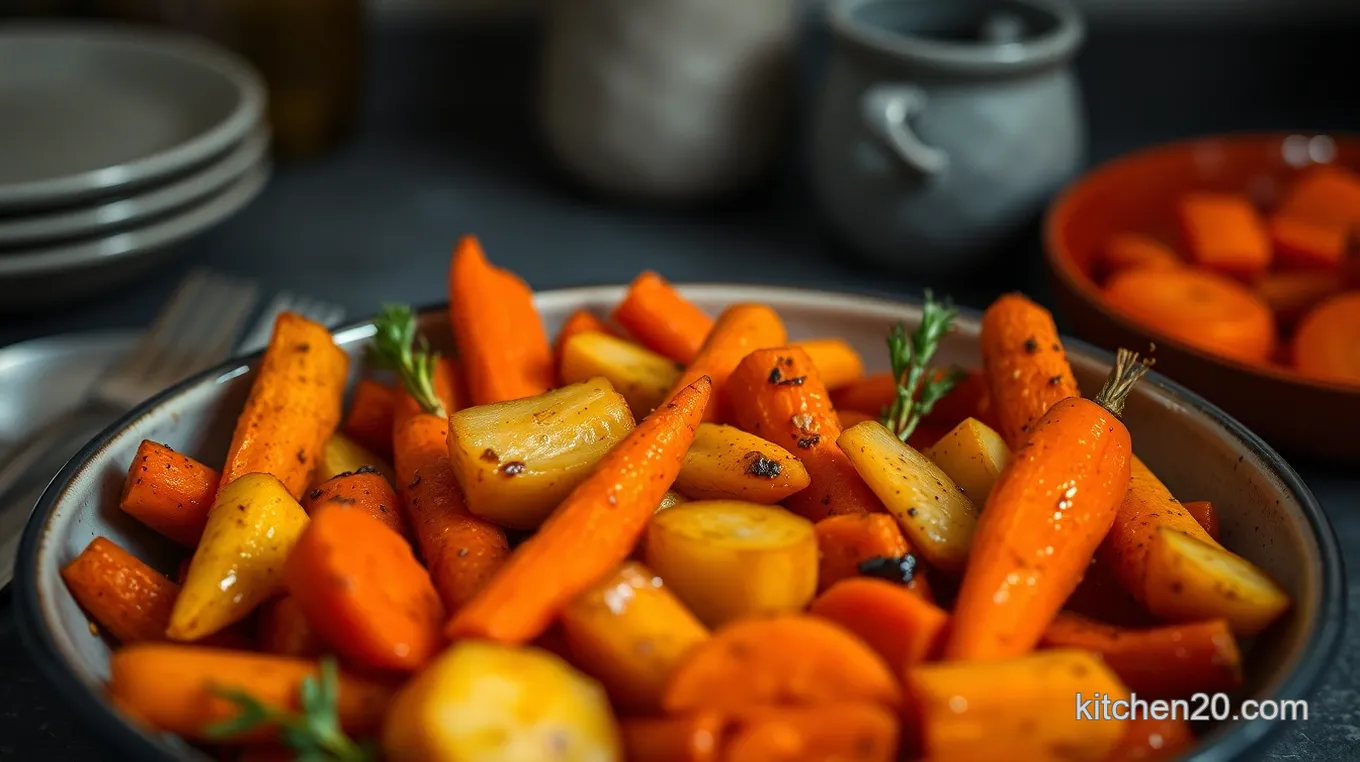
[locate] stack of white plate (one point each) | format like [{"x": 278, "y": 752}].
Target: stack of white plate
[{"x": 116, "y": 143}]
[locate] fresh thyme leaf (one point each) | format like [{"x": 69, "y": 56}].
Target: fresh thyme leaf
[
  {"x": 397, "y": 346},
  {"x": 919, "y": 386}
]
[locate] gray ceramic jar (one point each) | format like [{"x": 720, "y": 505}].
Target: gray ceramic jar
[{"x": 943, "y": 126}]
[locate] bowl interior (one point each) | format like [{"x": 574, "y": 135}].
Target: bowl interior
[{"x": 1267, "y": 515}]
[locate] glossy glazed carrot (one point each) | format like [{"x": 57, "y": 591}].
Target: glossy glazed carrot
[
  {"x": 366, "y": 491},
  {"x": 847, "y": 541},
  {"x": 125, "y": 597},
  {"x": 1048, "y": 512},
  {"x": 169, "y": 492},
  {"x": 1205, "y": 310},
  {"x": 369, "y": 420},
  {"x": 663, "y": 320},
  {"x": 1302, "y": 242},
  {"x": 693, "y": 738},
  {"x": 898, "y": 624},
  {"x": 1204, "y": 514},
  {"x": 1327, "y": 342},
  {"x": 1024, "y": 364},
  {"x": 1224, "y": 232},
  {"x": 281, "y": 628},
  {"x": 849, "y": 732},
  {"x": 591, "y": 532},
  {"x": 501, "y": 342},
  {"x": 740, "y": 330},
  {"x": 294, "y": 405},
  {"x": 1128, "y": 251},
  {"x": 776, "y": 394},
  {"x": 1151, "y": 740},
  {"x": 838, "y": 364}
]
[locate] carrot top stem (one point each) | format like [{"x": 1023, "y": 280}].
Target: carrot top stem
[
  {"x": 1128, "y": 368},
  {"x": 397, "y": 346},
  {"x": 918, "y": 388}
]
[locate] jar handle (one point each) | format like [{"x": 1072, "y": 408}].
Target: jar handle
[{"x": 887, "y": 110}]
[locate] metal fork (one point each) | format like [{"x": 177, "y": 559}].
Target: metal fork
[{"x": 325, "y": 313}]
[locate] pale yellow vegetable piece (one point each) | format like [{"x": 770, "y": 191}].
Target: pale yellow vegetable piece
[
  {"x": 1189, "y": 580},
  {"x": 972, "y": 454},
  {"x": 341, "y": 455},
  {"x": 642, "y": 376},
  {"x": 727, "y": 559},
  {"x": 937, "y": 518},
  {"x": 630, "y": 631},
  {"x": 671, "y": 499},
  {"x": 726, "y": 463},
  {"x": 486, "y": 702},
  {"x": 517, "y": 460},
  {"x": 251, "y": 530}
]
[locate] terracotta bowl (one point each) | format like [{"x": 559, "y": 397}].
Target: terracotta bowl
[
  {"x": 1268, "y": 515},
  {"x": 1138, "y": 192}
]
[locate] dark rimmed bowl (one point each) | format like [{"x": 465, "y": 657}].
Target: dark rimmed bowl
[{"x": 1268, "y": 515}]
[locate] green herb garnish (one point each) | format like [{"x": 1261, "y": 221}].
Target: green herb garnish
[
  {"x": 397, "y": 346},
  {"x": 919, "y": 386}
]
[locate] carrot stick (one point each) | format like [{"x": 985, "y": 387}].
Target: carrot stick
[
  {"x": 448, "y": 389},
  {"x": 173, "y": 688},
  {"x": 363, "y": 590},
  {"x": 848, "y": 418},
  {"x": 777, "y": 394},
  {"x": 580, "y": 321},
  {"x": 1210, "y": 312},
  {"x": 501, "y": 340},
  {"x": 1151, "y": 740},
  {"x": 786, "y": 659},
  {"x": 1044, "y": 519},
  {"x": 1202, "y": 511},
  {"x": 844, "y": 542},
  {"x": 1024, "y": 363},
  {"x": 282, "y": 628},
  {"x": 1324, "y": 345},
  {"x": 369, "y": 421},
  {"x": 169, "y": 492},
  {"x": 740, "y": 330},
  {"x": 461, "y": 551},
  {"x": 695, "y": 738},
  {"x": 853, "y": 732},
  {"x": 1224, "y": 232},
  {"x": 899, "y": 625},
  {"x": 1127, "y": 251},
  {"x": 837, "y": 362},
  {"x": 1168, "y": 662},
  {"x": 364, "y": 490},
  {"x": 591, "y": 532},
  {"x": 294, "y": 405},
  {"x": 662, "y": 320},
  {"x": 1019, "y": 710}
]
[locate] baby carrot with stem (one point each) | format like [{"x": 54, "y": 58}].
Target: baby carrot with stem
[
  {"x": 591, "y": 532},
  {"x": 1044, "y": 519},
  {"x": 662, "y": 320},
  {"x": 740, "y": 330}
]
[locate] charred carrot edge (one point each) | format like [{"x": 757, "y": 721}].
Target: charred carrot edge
[
  {"x": 740, "y": 330},
  {"x": 849, "y": 540},
  {"x": 294, "y": 405},
  {"x": 591, "y": 532},
  {"x": 662, "y": 320},
  {"x": 364, "y": 490},
  {"x": 501, "y": 341},
  {"x": 777, "y": 394},
  {"x": 898, "y": 624},
  {"x": 169, "y": 492},
  {"x": 369, "y": 421},
  {"x": 1024, "y": 363}
]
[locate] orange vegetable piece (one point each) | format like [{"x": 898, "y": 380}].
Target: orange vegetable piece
[
  {"x": 865, "y": 400},
  {"x": 849, "y": 732},
  {"x": 1128, "y": 251},
  {"x": 1224, "y": 232},
  {"x": 693, "y": 738},
  {"x": 364, "y": 490},
  {"x": 787, "y": 659},
  {"x": 1204, "y": 310},
  {"x": 740, "y": 330},
  {"x": 1325, "y": 193},
  {"x": 846, "y": 541},
  {"x": 369, "y": 421},
  {"x": 1024, "y": 364},
  {"x": 837, "y": 362},
  {"x": 448, "y": 388},
  {"x": 1100, "y": 596},
  {"x": 662, "y": 320},
  {"x": 849, "y": 418},
  {"x": 580, "y": 321},
  {"x": 901, "y": 626},
  {"x": 1291, "y": 294},
  {"x": 501, "y": 342},
  {"x": 282, "y": 628},
  {"x": 1150, "y": 740},
  {"x": 1202, "y": 511},
  {"x": 169, "y": 492},
  {"x": 363, "y": 590},
  {"x": 777, "y": 394},
  {"x": 1301, "y": 242},
  {"x": 128, "y": 599},
  {"x": 1327, "y": 341},
  {"x": 869, "y": 395}
]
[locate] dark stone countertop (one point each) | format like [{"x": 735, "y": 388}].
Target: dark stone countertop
[{"x": 447, "y": 146}]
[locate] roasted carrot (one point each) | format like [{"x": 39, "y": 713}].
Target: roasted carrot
[
  {"x": 1102, "y": 597},
  {"x": 899, "y": 625},
  {"x": 970, "y": 398},
  {"x": 1127, "y": 251},
  {"x": 501, "y": 341},
  {"x": 1019, "y": 710},
  {"x": 1202, "y": 309},
  {"x": 1325, "y": 193},
  {"x": 369, "y": 421},
  {"x": 462, "y": 551},
  {"x": 1301, "y": 242},
  {"x": 1327, "y": 343},
  {"x": 848, "y": 418},
  {"x": 1167, "y": 662},
  {"x": 365, "y": 490},
  {"x": 694, "y": 738},
  {"x": 1024, "y": 364},
  {"x": 282, "y": 628},
  {"x": 777, "y": 394},
  {"x": 663, "y": 320},
  {"x": 1147, "y": 739},
  {"x": 591, "y": 532},
  {"x": 869, "y": 395},
  {"x": 293, "y": 407},
  {"x": 1291, "y": 294},
  {"x": 847, "y": 541},
  {"x": 1224, "y": 232},
  {"x": 851, "y": 732},
  {"x": 786, "y": 659},
  {"x": 169, "y": 492},
  {"x": 364, "y": 592},
  {"x": 838, "y": 364},
  {"x": 580, "y": 321},
  {"x": 448, "y": 389},
  {"x": 740, "y": 330},
  {"x": 1202, "y": 511},
  {"x": 867, "y": 398},
  {"x": 174, "y": 689},
  {"x": 1045, "y": 517},
  {"x": 125, "y": 597}
]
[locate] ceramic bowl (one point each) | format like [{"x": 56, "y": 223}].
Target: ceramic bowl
[
  {"x": 1268, "y": 515},
  {"x": 1138, "y": 192}
]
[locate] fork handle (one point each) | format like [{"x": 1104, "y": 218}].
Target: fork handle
[{"x": 34, "y": 463}]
